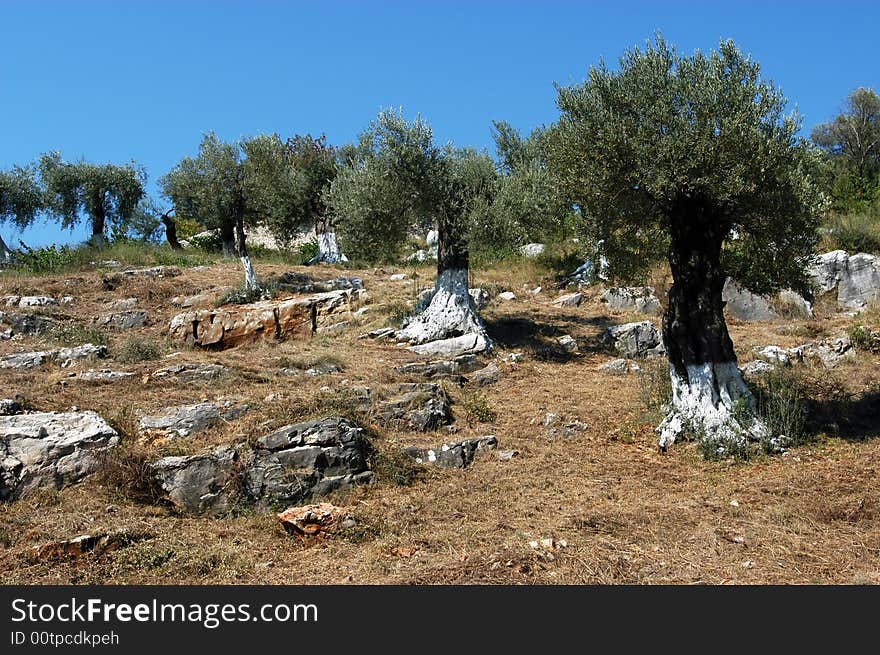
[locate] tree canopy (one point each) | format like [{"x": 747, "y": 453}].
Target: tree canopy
[
  {"x": 21, "y": 197},
  {"x": 702, "y": 139},
  {"x": 101, "y": 193}
]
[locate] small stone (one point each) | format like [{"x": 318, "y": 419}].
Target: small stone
[
  {"x": 569, "y": 300},
  {"x": 507, "y": 455},
  {"x": 615, "y": 367},
  {"x": 397, "y": 276},
  {"x": 507, "y": 295},
  {"x": 486, "y": 376},
  {"x": 568, "y": 343}
]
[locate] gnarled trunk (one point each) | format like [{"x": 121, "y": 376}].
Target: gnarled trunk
[
  {"x": 98, "y": 220},
  {"x": 171, "y": 232},
  {"x": 450, "y": 312},
  {"x": 227, "y": 237},
  {"x": 709, "y": 396},
  {"x": 328, "y": 248}
]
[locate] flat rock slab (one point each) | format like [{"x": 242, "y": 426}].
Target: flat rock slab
[
  {"x": 183, "y": 420},
  {"x": 64, "y": 356},
  {"x": 459, "y": 454},
  {"x": 742, "y": 304},
  {"x": 101, "y": 375},
  {"x": 302, "y": 283},
  {"x": 189, "y": 372},
  {"x": 30, "y": 324},
  {"x": 230, "y": 326},
  {"x": 466, "y": 344},
  {"x": 87, "y": 544},
  {"x": 441, "y": 368},
  {"x": 124, "y": 320},
  {"x": 29, "y": 301},
  {"x": 490, "y": 374},
  {"x": 50, "y": 449},
  {"x": 307, "y": 460}
]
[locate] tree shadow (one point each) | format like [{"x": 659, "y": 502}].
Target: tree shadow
[
  {"x": 853, "y": 419},
  {"x": 540, "y": 339}
]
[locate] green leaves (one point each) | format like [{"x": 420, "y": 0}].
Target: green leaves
[
  {"x": 666, "y": 130},
  {"x": 21, "y": 197}
]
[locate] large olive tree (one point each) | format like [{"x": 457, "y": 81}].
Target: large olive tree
[
  {"x": 687, "y": 154},
  {"x": 100, "y": 193}
]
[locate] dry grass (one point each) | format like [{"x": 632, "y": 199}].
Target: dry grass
[{"x": 627, "y": 513}]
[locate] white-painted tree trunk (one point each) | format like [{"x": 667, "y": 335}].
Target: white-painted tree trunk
[
  {"x": 714, "y": 405},
  {"x": 328, "y": 250},
  {"x": 250, "y": 276},
  {"x": 450, "y": 312}
]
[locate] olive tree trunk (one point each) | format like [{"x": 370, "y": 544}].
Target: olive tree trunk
[
  {"x": 171, "y": 232},
  {"x": 250, "y": 277},
  {"x": 227, "y": 237},
  {"x": 450, "y": 311},
  {"x": 329, "y": 251},
  {"x": 710, "y": 399}
]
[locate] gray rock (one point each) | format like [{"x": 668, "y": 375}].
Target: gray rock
[
  {"x": 124, "y": 303},
  {"x": 442, "y": 367},
  {"x": 775, "y": 355},
  {"x": 856, "y": 277},
  {"x": 466, "y": 344},
  {"x": 30, "y": 324},
  {"x": 507, "y": 295},
  {"x": 189, "y": 372},
  {"x": 381, "y": 333},
  {"x": 532, "y": 250},
  {"x": 50, "y": 449},
  {"x": 569, "y": 300},
  {"x": 615, "y": 367},
  {"x": 183, "y": 420},
  {"x": 152, "y": 271},
  {"x": 199, "y": 484},
  {"x": 307, "y": 460},
  {"x": 568, "y": 343},
  {"x": 67, "y": 356},
  {"x": 335, "y": 328},
  {"x": 64, "y": 356},
  {"x": 36, "y": 301},
  {"x": 25, "y": 360},
  {"x": 459, "y": 454},
  {"x": 125, "y": 320},
  {"x": 102, "y": 375},
  {"x": 198, "y": 300},
  {"x": 632, "y": 299},
  {"x": 486, "y": 376},
  {"x": 757, "y": 367},
  {"x": 507, "y": 455},
  {"x": 742, "y": 304},
  {"x": 828, "y": 270},
  {"x": 432, "y": 238},
  {"x": 794, "y": 304},
  {"x": 411, "y": 406},
  {"x": 633, "y": 340},
  {"x": 9, "y": 406},
  {"x": 303, "y": 283}
]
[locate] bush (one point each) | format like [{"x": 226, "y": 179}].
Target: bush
[
  {"x": 136, "y": 350},
  {"x": 245, "y": 296},
  {"x": 655, "y": 389},
  {"x": 855, "y": 232},
  {"x": 308, "y": 250},
  {"x": 779, "y": 396},
  {"x": 75, "y": 334},
  {"x": 50, "y": 259}
]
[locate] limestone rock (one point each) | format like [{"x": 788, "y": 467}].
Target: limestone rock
[
  {"x": 189, "y": 372},
  {"x": 199, "y": 484},
  {"x": 229, "y": 326},
  {"x": 64, "y": 356},
  {"x": 302, "y": 283},
  {"x": 507, "y": 295},
  {"x": 474, "y": 343},
  {"x": 569, "y": 300},
  {"x": 124, "y": 304},
  {"x": 101, "y": 375},
  {"x": 30, "y": 324},
  {"x": 794, "y": 304},
  {"x": 459, "y": 454},
  {"x": 307, "y": 460},
  {"x": 412, "y": 406},
  {"x": 568, "y": 343},
  {"x": 632, "y": 299},
  {"x": 744, "y": 305},
  {"x": 532, "y": 250},
  {"x": 856, "y": 277},
  {"x": 486, "y": 376},
  {"x": 50, "y": 449},
  {"x": 441, "y": 368},
  {"x": 183, "y": 420},
  {"x": 124, "y": 320},
  {"x": 615, "y": 367},
  {"x": 633, "y": 340}
]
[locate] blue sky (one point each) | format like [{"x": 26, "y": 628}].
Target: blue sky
[{"x": 142, "y": 80}]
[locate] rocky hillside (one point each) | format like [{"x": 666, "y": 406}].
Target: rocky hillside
[{"x": 151, "y": 433}]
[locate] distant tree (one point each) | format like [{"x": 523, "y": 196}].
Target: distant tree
[
  {"x": 107, "y": 195},
  {"x": 215, "y": 188},
  {"x": 852, "y": 142},
  {"x": 21, "y": 199},
  {"x": 680, "y": 154}
]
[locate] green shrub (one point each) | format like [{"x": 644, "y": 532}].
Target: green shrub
[
  {"x": 136, "y": 350},
  {"x": 855, "y": 232},
  {"x": 75, "y": 334},
  {"x": 779, "y": 404},
  {"x": 308, "y": 250},
  {"x": 50, "y": 259},
  {"x": 655, "y": 389},
  {"x": 864, "y": 338}
]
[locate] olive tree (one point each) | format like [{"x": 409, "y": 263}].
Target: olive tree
[
  {"x": 100, "y": 193},
  {"x": 691, "y": 153},
  {"x": 213, "y": 188},
  {"x": 21, "y": 199}
]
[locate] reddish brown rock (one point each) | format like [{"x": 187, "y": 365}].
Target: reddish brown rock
[
  {"x": 290, "y": 318},
  {"x": 313, "y": 521}
]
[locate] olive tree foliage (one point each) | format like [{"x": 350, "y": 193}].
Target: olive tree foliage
[
  {"x": 21, "y": 199},
  {"x": 685, "y": 158},
  {"x": 107, "y": 195},
  {"x": 218, "y": 189},
  {"x": 386, "y": 186},
  {"x": 852, "y": 144},
  {"x": 526, "y": 204}
]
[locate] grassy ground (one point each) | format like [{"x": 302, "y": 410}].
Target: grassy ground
[{"x": 626, "y": 513}]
